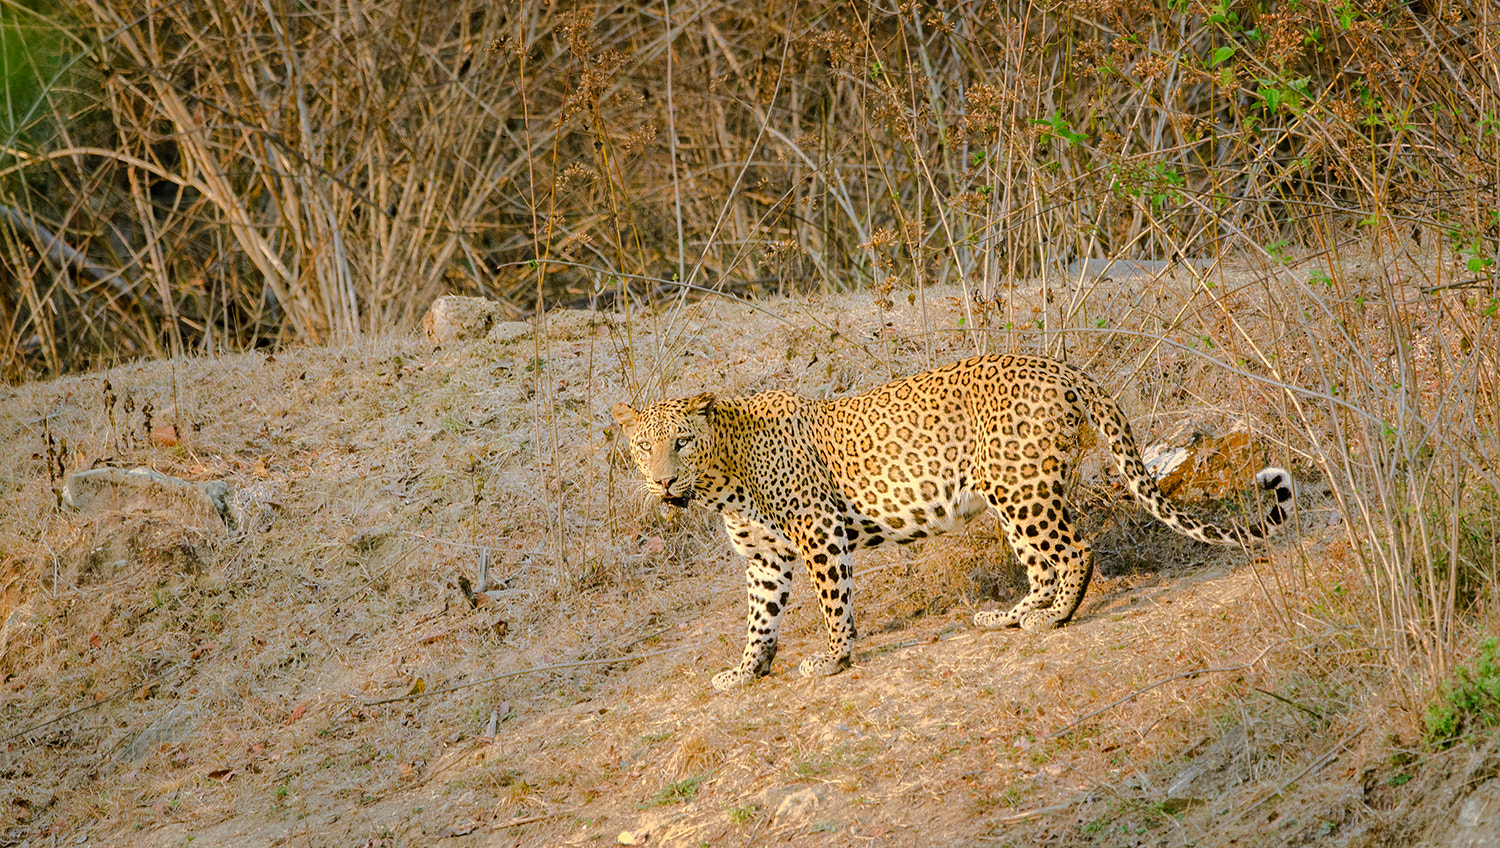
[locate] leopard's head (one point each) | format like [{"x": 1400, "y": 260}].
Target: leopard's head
[{"x": 668, "y": 441}]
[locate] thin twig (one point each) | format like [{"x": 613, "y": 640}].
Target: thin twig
[
  {"x": 1144, "y": 689},
  {"x": 1289, "y": 702},
  {"x": 59, "y": 251},
  {"x": 537, "y": 669},
  {"x": 517, "y": 822},
  {"x": 1017, "y": 818},
  {"x": 134, "y": 687}
]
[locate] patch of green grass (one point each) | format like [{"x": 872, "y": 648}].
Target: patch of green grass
[
  {"x": 1132, "y": 817},
  {"x": 1469, "y": 701},
  {"x": 1013, "y": 797},
  {"x": 680, "y": 792},
  {"x": 805, "y": 769}
]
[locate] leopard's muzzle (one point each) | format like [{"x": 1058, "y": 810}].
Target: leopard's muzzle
[{"x": 679, "y": 500}]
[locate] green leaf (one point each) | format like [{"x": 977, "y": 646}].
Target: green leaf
[
  {"x": 1272, "y": 97},
  {"x": 1220, "y": 56},
  {"x": 1060, "y": 127}
]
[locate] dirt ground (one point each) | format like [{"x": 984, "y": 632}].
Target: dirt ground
[{"x": 316, "y": 674}]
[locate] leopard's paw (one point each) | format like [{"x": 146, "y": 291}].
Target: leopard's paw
[
  {"x": 996, "y": 620},
  {"x": 1040, "y": 621},
  {"x": 824, "y": 664},
  {"x": 732, "y": 679}
]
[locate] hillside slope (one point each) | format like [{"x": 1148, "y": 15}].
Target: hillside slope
[{"x": 316, "y": 674}]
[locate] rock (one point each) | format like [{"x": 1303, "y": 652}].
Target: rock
[
  {"x": 1193, "y": 462},
  {"x": 454, "y": 318},
  {"x": 1223, "y": 765},
  {"x": 798, "y": 806},
  {"x": 508, "y": 331},
  {"x": 1478, "y": 822},
  {"x": 578, "y": 323},
  {"x": 168, "y": 729},
  {"x": 101, "y": 491}
]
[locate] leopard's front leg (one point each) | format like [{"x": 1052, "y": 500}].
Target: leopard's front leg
[
  {"x": 769, "y": 561},
  {"x": 830, "y": 565}
]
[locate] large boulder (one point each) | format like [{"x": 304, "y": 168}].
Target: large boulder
[
  {"x": 455, "y": 318},
  {"x": 116, "y": 491}
]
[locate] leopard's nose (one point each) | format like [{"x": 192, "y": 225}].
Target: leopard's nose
[{"x": 666, "y": 483}]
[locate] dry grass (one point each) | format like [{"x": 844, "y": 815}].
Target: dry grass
[
  {"x": 372, "y": 476},
  {"x": 247, "y": 175}
]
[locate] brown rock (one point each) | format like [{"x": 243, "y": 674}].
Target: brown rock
[{"x": 1196, "y": 463}]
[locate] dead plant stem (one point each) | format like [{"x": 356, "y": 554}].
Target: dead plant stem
[
  {"x": 1158, "y": 684},
  {"x": 535, "y": 670}
]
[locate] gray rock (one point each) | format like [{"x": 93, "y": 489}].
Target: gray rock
[
  {"x": 169, "y": 728},
  {"x": 509, "y": 331},
  {"x": 798, "y": 806},
  {"x": 454, "y": 318},
  {"x": 101, "y": 491},
  {"x": 564, "y": 324},
  {"x": 1478, "y": 822}
]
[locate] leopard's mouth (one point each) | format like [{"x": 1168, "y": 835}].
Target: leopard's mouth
[{"x": 679, "y": 500}]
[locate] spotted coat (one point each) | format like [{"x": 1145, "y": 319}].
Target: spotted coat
[{"x": 813, "y": 480}]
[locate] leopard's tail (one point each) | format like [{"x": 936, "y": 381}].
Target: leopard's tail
[{"x": 1110, "y": 422}]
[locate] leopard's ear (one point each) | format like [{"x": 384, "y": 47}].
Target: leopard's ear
[
  {"x": 701, "y": 404},
  {"x": 625, "y": 415}
]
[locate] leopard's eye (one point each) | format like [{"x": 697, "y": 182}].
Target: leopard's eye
[
  {"x": 682, "y": 442},
  {"x": 643, "y": 446}
]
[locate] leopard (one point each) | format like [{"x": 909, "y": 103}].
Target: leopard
[{"x": 814, "y": 480}]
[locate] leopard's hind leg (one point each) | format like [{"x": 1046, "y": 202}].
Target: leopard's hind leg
[
  {"x": 1059, "y": 564},
  {"x": 1073, "y": 563}
]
